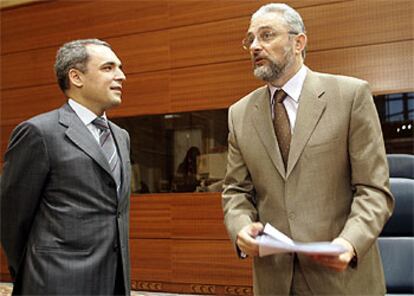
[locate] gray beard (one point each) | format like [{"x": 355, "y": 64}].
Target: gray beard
[
  {"x": 269, "y": 72},
  {"x": 275, "y": 70}
]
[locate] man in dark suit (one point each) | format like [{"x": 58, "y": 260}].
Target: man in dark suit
[
  {"x": 306, "y": 154},
  {"x": 65, "y": 185}
]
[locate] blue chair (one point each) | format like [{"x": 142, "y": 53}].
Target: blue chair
[
  {"x": 397, "y": 238},
  {"x": 401, "y": 166}
]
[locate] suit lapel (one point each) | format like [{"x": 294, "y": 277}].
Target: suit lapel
[
  {"x": 79, "y": 134},
  {"x": 311, "y": 107},
  {"x": 262, "y": 121}
]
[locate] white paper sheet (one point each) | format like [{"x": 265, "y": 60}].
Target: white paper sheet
[{"x": 272, "y": 241}]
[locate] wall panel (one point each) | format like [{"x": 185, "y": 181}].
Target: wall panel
[
  {"x": 150, "y": 216},
  {"x": 28, "y": 68},
  {"x": 190, "y": 12},
  {"x": 387, "y": 67},
  {"x": 21, "y": 103},
  {"x": 145, "y": 93},
  {"x": 209, "y": 262},
  {"x": 151, "y": 259},
  {"x": 195, "y": 216},
  {"x": 51, "y": 23},
  {"x": 208, "y": 43},
  {"x": 220, "y": 41},
  {"x": 212, "y": 86},
  {"x": 357, "y": 23}
]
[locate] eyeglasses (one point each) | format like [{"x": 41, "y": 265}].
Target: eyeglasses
[{"x": 264, "y": 36}]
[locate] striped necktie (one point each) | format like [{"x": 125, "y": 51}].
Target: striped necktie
[
  {"x": 109, "y": 149},
  {"x": 281, "y": 124}
]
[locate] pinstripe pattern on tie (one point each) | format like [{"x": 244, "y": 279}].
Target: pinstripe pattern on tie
[
  {"x": 281, "y": 124},
  {"x": 108, "y": 147}
]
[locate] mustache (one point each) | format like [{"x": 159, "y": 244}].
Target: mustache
[{"x": 259, "y": 58}]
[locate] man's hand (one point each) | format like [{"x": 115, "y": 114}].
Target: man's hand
[
  {"x": 340, "y": 262},
  {"x": 246, "y": 239}
]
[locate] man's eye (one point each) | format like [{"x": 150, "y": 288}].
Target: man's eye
[
  {"x": 267, "y": 36},
  {"x": 250, "y": 39},
  {"x": 107, "y": 68}
]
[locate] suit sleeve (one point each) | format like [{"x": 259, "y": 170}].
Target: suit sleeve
[
  {"x": 24, "y": 174},
  {"x": 373, "y": 202},
  {"x": 238, "y": 194}
]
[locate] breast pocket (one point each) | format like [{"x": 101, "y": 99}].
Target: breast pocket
[{"x": 317, "y": 148}]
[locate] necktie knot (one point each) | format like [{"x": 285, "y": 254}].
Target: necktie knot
[
  {"x": 100, "y": 123},
  {"x": 279, "y": 96}
]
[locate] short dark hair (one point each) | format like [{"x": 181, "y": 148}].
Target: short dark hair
[{"x": 71, "y": 55}]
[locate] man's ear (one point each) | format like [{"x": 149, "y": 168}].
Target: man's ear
[
  {"x": 75, "y": 77},
  {"x": 300, "y": 43}
]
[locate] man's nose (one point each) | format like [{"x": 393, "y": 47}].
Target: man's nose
[
  {"x": 255, "y": 46},
  {"x": 120, "y": 75}
]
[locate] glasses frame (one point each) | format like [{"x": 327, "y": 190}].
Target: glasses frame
[{"x": 246, "y": 46}]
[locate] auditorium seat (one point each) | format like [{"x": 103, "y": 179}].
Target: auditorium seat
[{"x": 397, "y": 238}]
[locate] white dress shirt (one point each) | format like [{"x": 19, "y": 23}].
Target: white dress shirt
[
  {"x": 86, "y": 116},
  {"x": 293, "y": 89}
]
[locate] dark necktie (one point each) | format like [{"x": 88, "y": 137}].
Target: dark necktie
[
  {"x": 281, "y": 124},
  {"x": 109, "y": 149}
]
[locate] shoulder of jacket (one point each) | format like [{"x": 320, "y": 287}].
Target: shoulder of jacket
[
  {"x": 42, "y": 121},
  {"x": 340, "y": 79},
  {"x": 249, "y": 98}
]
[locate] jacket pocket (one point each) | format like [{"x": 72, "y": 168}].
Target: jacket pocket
[{"x": 51, "y": 249}]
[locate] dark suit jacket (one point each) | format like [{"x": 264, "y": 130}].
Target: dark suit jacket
[
  {"x": 336, "y": 182},
  {"x": 63, "y": 227}
]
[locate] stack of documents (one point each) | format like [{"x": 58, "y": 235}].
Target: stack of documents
[{"x": 272, "y": 241}]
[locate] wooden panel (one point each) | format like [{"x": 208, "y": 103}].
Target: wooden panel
[
  {"x": 30, "y": 68},
  {"x": 6, "y": 131},
  {"x": 150, "y": 216},
  {"x": 220, "y": 41},
  {"x": 211, "y": 86},
  {"x": 198, "y": 216},
  {"x": 59, "y": 21},
  {"x": 387, "y": 67},
  {"x": 139, "y": 53},
  {"x": 189, "y": 288},
  {"x": 23, "y": 103},
  {"x": 143, "y": 52},
  {"x": 151, "y": 259},
  {"x": 188, "y": 12},
  {"x": 144, "y": 93},
  {"x": 4, "y": 270},
  {"x": 209, "y": 262},
  {"x": 355, "y": 23},
  {"x": 208, "y": 43}
]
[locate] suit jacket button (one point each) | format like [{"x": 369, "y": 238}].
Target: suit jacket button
[
  {"x": 115, "y": 248},
  {"x": 118, "y": 215}
]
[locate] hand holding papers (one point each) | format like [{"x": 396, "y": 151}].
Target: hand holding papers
[{"x": 272, "y": 241}]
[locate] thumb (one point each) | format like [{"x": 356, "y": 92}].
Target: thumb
[{"x": 256, "y": 229}]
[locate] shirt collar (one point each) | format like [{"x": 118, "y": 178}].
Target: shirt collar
[
  {"x": 86, "y": 115},
  {"x": 294, "y": 86}
]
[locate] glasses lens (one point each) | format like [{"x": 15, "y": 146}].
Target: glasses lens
[{"x": 247, "y": 42}]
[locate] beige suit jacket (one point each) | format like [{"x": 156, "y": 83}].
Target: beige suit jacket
[{"x": 336, "y": 182}]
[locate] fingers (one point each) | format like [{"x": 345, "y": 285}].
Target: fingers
[
  {"x": 246, "y": 239},
  {"x": 340, "y": 262}
]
